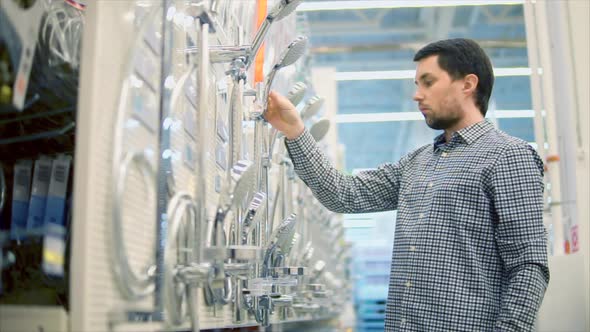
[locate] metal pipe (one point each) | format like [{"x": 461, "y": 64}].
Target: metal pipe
[
  {"x": 203, "y": 86},
  {"x": 281, "y": 10},
  {"x": 535, "y": 14},
  {"x": 223, "y": 54}
]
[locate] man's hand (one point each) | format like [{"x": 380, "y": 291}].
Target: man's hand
[{"x": 283, "y": 116}]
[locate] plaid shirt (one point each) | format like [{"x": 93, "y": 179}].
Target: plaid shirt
[{"x": 470, "y": 251}]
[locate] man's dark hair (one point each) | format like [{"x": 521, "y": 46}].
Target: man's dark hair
[{"x": 460, "y": 57}]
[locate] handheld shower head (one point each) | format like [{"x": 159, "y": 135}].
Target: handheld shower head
[
  {"x": 289, "y": 56},
  {"x": 307, "y": 253},
  {"x": 283, "y": 235},
  {"x": 252, "y": 217},
  {"x": 293, "y": 52},
  {"x": 240, "y": 183},
  {"x": 319, "y": 129},
  {"x": 296, "y": 93},
  {"x": 277, "y": 13},
  {"x": 312, "y": 107},
  {"x": 294, "y": 243},
  {"x": 242, "y": 177}
]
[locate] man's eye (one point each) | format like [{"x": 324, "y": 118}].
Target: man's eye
[{"x": 427, "y": 83}]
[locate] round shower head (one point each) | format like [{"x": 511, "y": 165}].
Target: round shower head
[
  {"x": 293, "y": 52},
  {"x": 243, "y": 176},
  {"x": 319, "y": 129},
  {"x": 283, "y": 235},
  {"x": 312, "y": 107},
  {"x": 296, "y": 93}
]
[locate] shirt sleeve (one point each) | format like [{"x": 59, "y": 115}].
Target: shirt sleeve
[
  {"x": 369, "y": 191},
  {"x": 517, "y": 189}
]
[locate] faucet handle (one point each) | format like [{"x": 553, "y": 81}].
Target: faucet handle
[
  {"x": 195, "y": 274},
  {"x": 238, "y": 269}
]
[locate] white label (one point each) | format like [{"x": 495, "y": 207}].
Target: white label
[
  {"x": 59, "y": 179},
  {"x": 53, "y": 255},
  {"x": 22, "y": 180},
  {"x": 41, "y": 177}
]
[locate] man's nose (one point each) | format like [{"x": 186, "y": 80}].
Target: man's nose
[{"x": 418, "y": 96}]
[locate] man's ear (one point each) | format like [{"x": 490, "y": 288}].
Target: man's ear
[{"x": 470, "y": 84}]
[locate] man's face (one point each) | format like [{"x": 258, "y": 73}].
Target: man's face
[{"x": 437, "y": 95}]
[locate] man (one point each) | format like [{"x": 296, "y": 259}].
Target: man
[{"x": 470, "y": 247}]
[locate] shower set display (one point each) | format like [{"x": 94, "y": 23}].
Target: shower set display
[{"x": 185, "y": 210}]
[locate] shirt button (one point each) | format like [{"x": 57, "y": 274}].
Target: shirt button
[
  {"x": 408, "y": 284},
  {"x": 430, "y": 184},
  {"x": 412, "y": 248},
  {"x": 421, "y": 215},
  {"x": 444, "y": 154},
  {"x": 403, "y": 320}
]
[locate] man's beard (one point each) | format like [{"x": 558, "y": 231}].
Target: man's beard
[{"x": 441, "y": 123}]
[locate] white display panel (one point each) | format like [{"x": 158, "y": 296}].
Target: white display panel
[
  {"x": 115, "y": 51},
  {"x": 126, "y": 73}
]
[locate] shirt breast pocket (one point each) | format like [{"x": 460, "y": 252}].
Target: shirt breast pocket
[
  {"x": 460, "y": 193},
  {"x": 462, "y": 206}
]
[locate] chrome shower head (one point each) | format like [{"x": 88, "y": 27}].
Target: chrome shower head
[
  {"x": 296, "y": 93},
  {"x": 243, "y": 177},
  {"x": 319, "y": 129},
  {"x": 252, "y": 216},
  {"x": 294, "y": 241},
  {"x": 280, "y": 11},
  {"x": 312, "y": 107},
  {"x": 293, "y": 52},
  {"x": 240, "y": 182},
  {"x": 308, "y": 251},
  {"x": 283, "y": 235}
]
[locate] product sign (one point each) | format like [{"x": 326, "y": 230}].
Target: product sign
[{"x": 574, "y": 235}]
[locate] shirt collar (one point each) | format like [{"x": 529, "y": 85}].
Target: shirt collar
[{"x": 468, "y": 134}]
